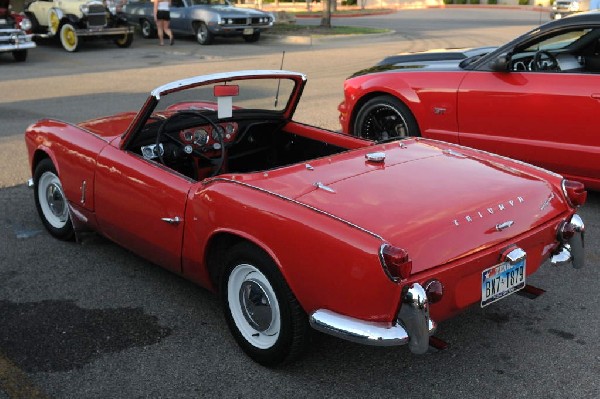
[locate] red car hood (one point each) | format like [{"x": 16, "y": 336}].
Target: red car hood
[{"x": 426, "y": 195}]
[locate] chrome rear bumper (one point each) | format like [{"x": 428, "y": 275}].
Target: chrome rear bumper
[
  {"x": 572, "y": 251},
  {"x": 413, "y": 326}
]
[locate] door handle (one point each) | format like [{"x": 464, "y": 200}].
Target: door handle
[
  {"x": 596, "y": 96},
  {"x": 175, "y": 220}
]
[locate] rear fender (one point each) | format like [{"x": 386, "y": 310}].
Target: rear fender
[{"x": 326, "y": 262}]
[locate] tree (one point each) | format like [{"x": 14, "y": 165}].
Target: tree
[{"x": 326, "y": 16}]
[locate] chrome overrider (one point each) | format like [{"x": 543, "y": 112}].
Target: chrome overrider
[
  {"x": 571, "y": 249},
  {"x": 413, "y": 325}
]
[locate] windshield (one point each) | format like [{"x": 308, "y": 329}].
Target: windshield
[
  {"x": 558, "y": 42},
  {"x": 256, "y": 94}
]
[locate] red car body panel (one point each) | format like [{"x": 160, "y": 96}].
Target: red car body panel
[
  {"x": 127, "y": 187},
  {"x": 550, "y": 128},
  {"x": 322, "y": 221}
]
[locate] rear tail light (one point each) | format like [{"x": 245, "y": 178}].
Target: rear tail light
[
  {"x": 396, "y": 262},
  {"x": 575, "y": 192},
  {"x": 567, "y": 230},
  {"x": 434, "y": 290}
]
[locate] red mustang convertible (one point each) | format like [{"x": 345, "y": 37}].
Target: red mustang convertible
[
  {"x": 535, "y": 99},
  {"x": 295, "y": 226}
]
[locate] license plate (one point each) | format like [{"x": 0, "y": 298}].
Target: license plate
[
  {"x": 501, "y": 280},
  {"x": 2, "y": 21},
  {"x": 248, "y": 31}
]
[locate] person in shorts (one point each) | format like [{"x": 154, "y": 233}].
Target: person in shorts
[{"x": 162, "y": 16}]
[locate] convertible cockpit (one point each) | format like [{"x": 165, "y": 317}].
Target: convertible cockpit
[
  {"x": 202, "y": 129},
  {"x": 197, "y": 144}
]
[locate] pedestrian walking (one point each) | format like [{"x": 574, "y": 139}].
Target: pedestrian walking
[{"x": 162, "y": 16}]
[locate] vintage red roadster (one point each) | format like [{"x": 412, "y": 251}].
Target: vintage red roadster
[
  {"x": 534, "y": 98},
  {"x": 295, "y": 226}
]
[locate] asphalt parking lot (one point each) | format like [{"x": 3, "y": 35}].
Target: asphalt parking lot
[{"x": 92, "y": 320}]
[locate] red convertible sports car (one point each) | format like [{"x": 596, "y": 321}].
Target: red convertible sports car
[
  {"x": 533, "y": 99},
  {"x": 298, "y": 227}
]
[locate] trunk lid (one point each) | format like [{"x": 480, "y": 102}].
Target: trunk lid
[{"x": 425, "y": 195}]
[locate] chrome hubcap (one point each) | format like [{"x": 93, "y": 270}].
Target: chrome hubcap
[
  {"x": 52, "y": 200},
  {"x": 56, "y": 200},
  {"x": 256, "y": 306}
]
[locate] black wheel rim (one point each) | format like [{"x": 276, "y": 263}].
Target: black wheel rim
[{"x": 383, "y": 122}]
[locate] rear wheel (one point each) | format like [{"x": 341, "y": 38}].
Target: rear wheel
[
  {"x": 50, "y": 201},
  {"x": 53, "y": 22},
  {"x": 68, "y": 38},
  {"x": 383, "y": 118},
  {"x": 263, "y": 314},
  {"x": 147, "y": 29},
  {"x": 20, "y": 55},
  {"x": 203, "y": 35}
]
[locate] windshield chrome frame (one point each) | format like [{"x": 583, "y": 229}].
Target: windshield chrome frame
[{"x": 202, "y": 80}]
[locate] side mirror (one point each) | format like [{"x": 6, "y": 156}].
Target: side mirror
[{"x": 500, "y": 63}]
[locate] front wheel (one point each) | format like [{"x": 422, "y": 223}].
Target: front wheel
[
  {"x": 20, "y": 55},
  {"x": 203, "y": 35},
  {"x": 50, "y": 201},
  {"x": 262, "y": 313},
  {"x": 124, "y": 41},
  {"x": 252, "y": 38},
  {"x": 384, "y": 118},
  {"x": 68, "y": 38}
]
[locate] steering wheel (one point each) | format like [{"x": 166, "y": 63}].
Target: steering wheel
[
  {"x": 189, "y": 149},
  {"x": 544, "y": 61}
]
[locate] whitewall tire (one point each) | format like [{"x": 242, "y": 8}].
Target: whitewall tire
[
  {"x": 69, "y": 38},
  {"x": 51, "y": 202},
  {"x": 261, "y": 311}
]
